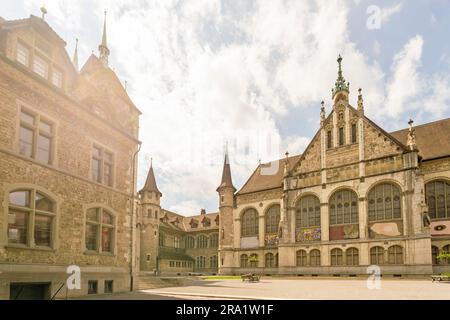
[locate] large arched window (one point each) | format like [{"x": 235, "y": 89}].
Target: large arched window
[
  {"x": 249, "y": 223},
  {"x": 201, "y": 262},
  {"x": 352, "y": 257},
  {"x": 301, "y": 258},
  {"x": 100, "y": 229},
  {"x": 190, "y": 242},
  {"x": 438, "y": 199},
  {"x": 202, "y": 242},
  {"x": 314, "y": 258},
  {"x": 244, "y": 261},
  {"x": 336, "y": 257},
  {"x": 384, "y": 202},
  {"x": 31, "y": 219},
  {"x": 272, "y": 219},
  {"x": 214, "y": 240},
  {"x": 376, "y": 255},
  {"x": 307, "y": 212},
  {"x": 343, "y": 207},
  {"x": 395, "y": 255},
  {"x": 270, "y": 260}
]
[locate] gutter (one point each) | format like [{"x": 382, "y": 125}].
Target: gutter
[{"x": 133, "y": 196}]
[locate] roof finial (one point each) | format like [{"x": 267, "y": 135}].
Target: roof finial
[
  {"x": 44, "y": 12},
  {"x": 75, "y": 55},
  {"x": 322, "y": 113},
  {"x": 151, "y": 162},
  {"x": 103, "y": 47},
  {"x": 411, "y": 140},
  {"x": 126, "y": 85},
  {"x": 340, "y": 84},
  {"x": 360, "y": 102}
]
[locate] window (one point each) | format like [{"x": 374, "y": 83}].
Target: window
[
  {"x": 343, "y": 207},
  {"x": 341, "y": 136},
  {"x": 329, "y": 140},
  {"x": 40, "y": 66},
  {"x": 438, "y": 199},
  {"x": 301, "y": 258},
  {"x": 376, "y": 255},
  {"x": 171, "y": 264},
  {"x": 434, "y": 254},
  {"x": 206, "y": 223},
  {"x": 314, "y": 258},
  {"x": 336, "y": 257},
  {"x": 23, "y": 54},
  {"x": 109, "y": 286},
  {"x": 214, "y": 240},
  {"x": 102, "y": 166},
  {"x": 190, "y": 242},
  {"x": 99, "y": 231},
  {"x": 57, "y": 78},
  {"x": 31, "y": 218},
  {"x": 36, "y": 137},
  {"x": 270, "y": 260},
  {"x": 176, "y": 242},
  {"x": 213, "y": 264},
  {"x": 249, "y": 223},
  {"x": 162, "y": 239},
  {"x": 244, "y": 261},
  {"x": 273, "y": 219},
  {"x": 201, "y": 262},
  {"x": 395, "y": 255},
  {"x": 253, "y": 261},
  {"x": 202, "y": 242},
  {"x": 445, "y": 249},
  {"x": 352, "y": 257},
  {"x": 92, "y": 287},
  {"x": 307, "y": 212},
  {"x": 354, "y": 133},
  {"x": 384, "y": 202}
]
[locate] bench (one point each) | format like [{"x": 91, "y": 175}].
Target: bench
[
  {"x": 250, "y": 278},
  {"x": 440, "y": 278}
]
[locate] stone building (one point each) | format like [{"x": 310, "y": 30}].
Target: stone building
[
  {"x": 357, "y": 196},
  {"x": 173, "y": 244},
  {"x": 68, "y": 140}
]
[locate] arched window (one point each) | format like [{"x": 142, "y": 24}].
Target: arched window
[
  {"x": 343, "y": 207},
  {"x": 273, "y": 219},
  {"x": 244, "y": 261},
  {"x": 395, "y": 255},
  {"x": 214, "y": 240},
  {"x": 336, "y": 257},
  {"x": 438, "y": 199},
  {"x": 376, "y": 255},
  {"x": 384, "y": 202},
  {"x": 31, "y": 219},
  {"x": 352, "y": 257},
  {"x": 201, "y": 262},
  {"x": 270, "y": 260},
  {"x": 253, "y": 260},
  {"x": 314, "y": 258},
  {"x": 100, "y": 229},
  {"x": 307, "y": 212},
  {"x": 176, "y": 242},
  {"x": 249, "y": 223},
  {"x": 445, "y": 249},
  {"x": 190, "y": 242},
  {"x": 162, "y": 239},
  {"x": 301, "y": 258},
  {"x": 434, "y": 254},
  {"x": 202, "y": 242},
  {"x": 213, "y": 262}
]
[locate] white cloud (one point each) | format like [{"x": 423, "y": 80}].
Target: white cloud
[
  {"x": 439, "y": 100},
  {"x": 388, "y": 12}
]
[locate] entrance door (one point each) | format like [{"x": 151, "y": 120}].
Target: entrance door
[{"x": 29, "y": 291}]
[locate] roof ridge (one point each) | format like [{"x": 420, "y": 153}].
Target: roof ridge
[{"x": 423, "y": 124}]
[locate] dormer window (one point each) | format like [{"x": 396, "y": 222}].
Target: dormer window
[
  {"x": 23, "y": 54},
  {"x": 40, "y": 66},
  {"x": 206, "y": 223}
]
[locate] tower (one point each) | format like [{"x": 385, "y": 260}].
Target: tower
[
  {"x": 149, "y": 222},
  {"x": 341, "y": 88},
  {"x": 226, "y": 192},
  {"x": 103, "y": 47}
]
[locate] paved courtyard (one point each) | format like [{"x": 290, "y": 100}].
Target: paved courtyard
[{"x": 329, "y": 289}]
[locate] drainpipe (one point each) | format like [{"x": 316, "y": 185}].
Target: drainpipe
[{"x": 133, "y": 196}]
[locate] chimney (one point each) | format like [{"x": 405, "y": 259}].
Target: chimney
[{"x": 203, "y": 212}]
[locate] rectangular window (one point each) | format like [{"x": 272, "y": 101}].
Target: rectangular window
[
  {"x": 18, "y": 227},
  {"x": 91, "y": 237},
  {"x": 35, "y": 137},
  {"x": 353, "y": 133},
  {"x": 92, "y": 287},
  {"x": 341, "y": 136},
  {"x": 329, "y": 140},
  {"x": 57, "y": 78},
  {"x": 40, "y": 66},
  {"x": 22, "y": 54},
  {"x": 102, "y": 166},
  {"x": 109, "y": 286},
  {"x": 43, "y": 230}
]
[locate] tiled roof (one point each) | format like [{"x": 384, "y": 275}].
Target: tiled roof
[{"x": 184, "y": 223}]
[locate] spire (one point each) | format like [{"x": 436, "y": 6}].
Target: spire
[
  {"x": 75, "y": 56},
  {"x": 150, "y": 183},
  {"x": 226, "y": 173},
  {"x": 103, "y": 47},
  {"x": 322, "y": 114},
  {"x": 340, "y": 84},
  {"x": 360, "y": 102}
]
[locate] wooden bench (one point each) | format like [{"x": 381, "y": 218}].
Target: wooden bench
[
  {"x": 250, "y": 278},
  {"x": 440, "y": 278}
]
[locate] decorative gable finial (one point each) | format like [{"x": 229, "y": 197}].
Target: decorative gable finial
[
  {"x": 43, "y": 12},
  {"x": 360, "y": 102},
  {"x": 103, "y": 47},
  {"x": 322, "y": 114},
  {"x": 340, "y": 84},
  {"x": 411, "y": 141},
  {"x": 286, "y": 164}
]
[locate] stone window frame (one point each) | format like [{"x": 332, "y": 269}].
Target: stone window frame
[
  {"x": 353, "y": 132},
  {"x": 25, "y": 46},
  {"x": 272, "y": 219},
  {"x": 202, "y": 241},
  {"x": 317, "y": 258},
  {"x": 315, "y": 214},
  {"x": 270, "y": 260},
  {"x": 214, "y": 262},
  {"x": 434, "y": 253},
  {"x": 8, "y": 188},
  {"x": 200, "y": 262},
  {"x": 39, "y": 117},
  {"x": 104, "y": 149},
  {"x": 301, "y": 258},
  {"x": 372, "y": 195},
  {"x": 214, "y": 240},
  {"x": 115, "y": 216},
  {"x": 330, "y": 203},
  {"x": 394, "y": 252},
  {"x": 377, "y": 255},
  {"x": 250, "y": 227},
  {"x": 352, "y": 256},
  {"x": 190, "y": 242},
  {"x": 433, "y": 215},
  {"x": 243, "y": 261},
  {"x": 336, "y": 257}
]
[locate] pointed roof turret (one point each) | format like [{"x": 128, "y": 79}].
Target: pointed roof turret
[
  {"x": 103, "y": 47},
  {"x": 75, "y": 56},
  {"x": 340, "y": 84},
  {"x": 150, "y": 183},
  {"x": 226, "y": 173}
]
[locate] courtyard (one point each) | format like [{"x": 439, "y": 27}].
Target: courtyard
[{"x": 298, "y": 289}]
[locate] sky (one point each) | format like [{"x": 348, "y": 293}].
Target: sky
[{"x": 251, "y": 74}]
